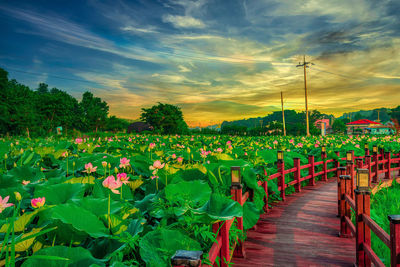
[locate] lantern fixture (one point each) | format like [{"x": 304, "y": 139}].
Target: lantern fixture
[
  {"x": 363, "y": 181},
  {"x": 375, "y": 149},
  {"x": 349, "y": 156},
  {"x": 236, "y": 178},
  {"x": 323, "y": 149},
  {"x": 366, "y": 146},
  {"x": 280, "y": 155}
]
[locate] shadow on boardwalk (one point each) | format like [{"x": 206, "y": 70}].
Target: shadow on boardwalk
[{"x": 303, "y": 231}]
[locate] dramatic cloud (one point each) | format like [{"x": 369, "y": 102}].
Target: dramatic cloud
[{"x": 218, "y": 60}]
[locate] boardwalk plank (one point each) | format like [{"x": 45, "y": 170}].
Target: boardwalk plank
[{"x": 303, "y": 231}]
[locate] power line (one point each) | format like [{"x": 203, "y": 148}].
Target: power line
[{"x": 337, "y": 74}]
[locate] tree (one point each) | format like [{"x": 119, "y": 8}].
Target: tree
[
  {"x": 116, "y": 124},
  {"x": 94, "y": 110},
  {"x": 165, "y": 118},
  {"x": 339, "y": 126},
  {"x": 43, "y": 88}
]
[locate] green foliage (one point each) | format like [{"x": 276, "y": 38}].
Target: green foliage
[
  {"x": 157, "y": 247},
  {"x": 339, "y": 126},
  {"x": 60, "y": 256},
  {"x": 165, "y": 118}
]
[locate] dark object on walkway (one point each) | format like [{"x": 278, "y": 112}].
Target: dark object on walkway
[
  {"x": 139, "y": 127},
  {"x": 186, "y": 258}
]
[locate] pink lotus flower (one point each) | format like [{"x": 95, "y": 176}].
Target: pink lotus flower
[
  {"x": 64, "y": 154},
  {"x": 219, "y": 150},
  {"x": 152, "y": 145},
  {"x": 112, "y": 184},
  {"x": 104, "y": 163},
  {"x": 123, "y": 177},
  {"x": 157, "y": 165},
  {"x": 89, "y": 168},
  {"x": 25, "y": 182},
  {"x": 275, "y": 142},
  {"x": 180, "y": 159},
  {"x": 299, "y": 145},
  {"x": 154, "y": 177},
  {"x": 124, "y": 162},
  {"x": 38, "y": 202},
  {"x": 78, "y": 140},
  {"x": 173, "y": 156},
  {"x": 4, "y": 204},
  {"x": 357, "y": 146}
]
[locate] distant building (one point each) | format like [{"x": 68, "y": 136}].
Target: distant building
[
  {"x": 320, "y": 124},
  {"x": 365, "y": 126}
]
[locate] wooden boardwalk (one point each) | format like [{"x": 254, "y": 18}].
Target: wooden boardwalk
[{"x": 302, "y": 231}]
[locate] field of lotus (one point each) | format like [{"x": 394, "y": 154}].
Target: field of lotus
[{"x": 134, "y": 200}]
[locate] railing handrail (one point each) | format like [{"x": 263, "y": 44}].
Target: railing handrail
[{"x": 347, "y": 197}]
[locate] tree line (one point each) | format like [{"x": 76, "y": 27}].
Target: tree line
[{"x": 38, "y": 112}]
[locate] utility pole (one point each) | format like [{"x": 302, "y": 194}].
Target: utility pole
[
  {"x": 305, "y": 65},
  {"x": 283, "y": 116},
  {"x": 378, "y": 120}
]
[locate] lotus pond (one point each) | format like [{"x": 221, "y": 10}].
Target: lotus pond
[{"x": 134, "y": 200}]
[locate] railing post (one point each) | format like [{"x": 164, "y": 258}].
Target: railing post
[
  {"x": 363, "y": 233},
  {"x": 311, "y": 169},
  {"x": 324, "y": 166},
  {"x": 350, "y": 172},
  {"x": 348, "y": 191},
  {"x": 297, "y": 174},
  {"x": 344, "y": 231},
  {"x": 184, "y": 258},
  {"x": 394, "y": 240},
  {"x": 388, "y": 157},
  {"x": 224, "y": 245},
  {"x": 368, "y": 163},
  {"x": 340, "y": 171},
  {"x": 265, "y": 186},
  {"x": 237, "y": 195},
  {"x": 281, "y": 170},
  {"x": 375, "y": 168},
  {"x": 366, "y": 150}
]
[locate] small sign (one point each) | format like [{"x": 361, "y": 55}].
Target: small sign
[{"x": 59, "y": 130}]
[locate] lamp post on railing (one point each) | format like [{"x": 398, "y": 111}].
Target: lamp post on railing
[
  {"x": 362, "y": 201},
  {"x": 350, "y": 169},
  {"x": 281, "y": 170}
]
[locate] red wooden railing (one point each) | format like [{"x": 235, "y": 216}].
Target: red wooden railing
[
  {"x": 220, "y": 253},
  {"x": 359, "y": 200}
]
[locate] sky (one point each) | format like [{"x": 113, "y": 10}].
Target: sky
[{"x": 216, "y": 59}]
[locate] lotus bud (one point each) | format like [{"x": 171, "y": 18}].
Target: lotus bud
[
  {"x": 31, "y": 148},
  {"x": 188, "y": 150},
  {"x": 73, "y": 163},
  {"x": 18, "y": 196},
  {"x": 5, "y": 156},
  {"x": 109, "y": 165},
  {"x": 22, "y": 150},
  {"x": 104, "y": 163},
  {"x": 15, "y": 164},
  {"x": 115, "y": 170}
]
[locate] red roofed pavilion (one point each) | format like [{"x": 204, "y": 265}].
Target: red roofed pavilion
[{"x": 361, "y": 126}]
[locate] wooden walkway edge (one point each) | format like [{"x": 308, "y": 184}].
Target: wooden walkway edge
[{"x": 302, "y": 231}]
